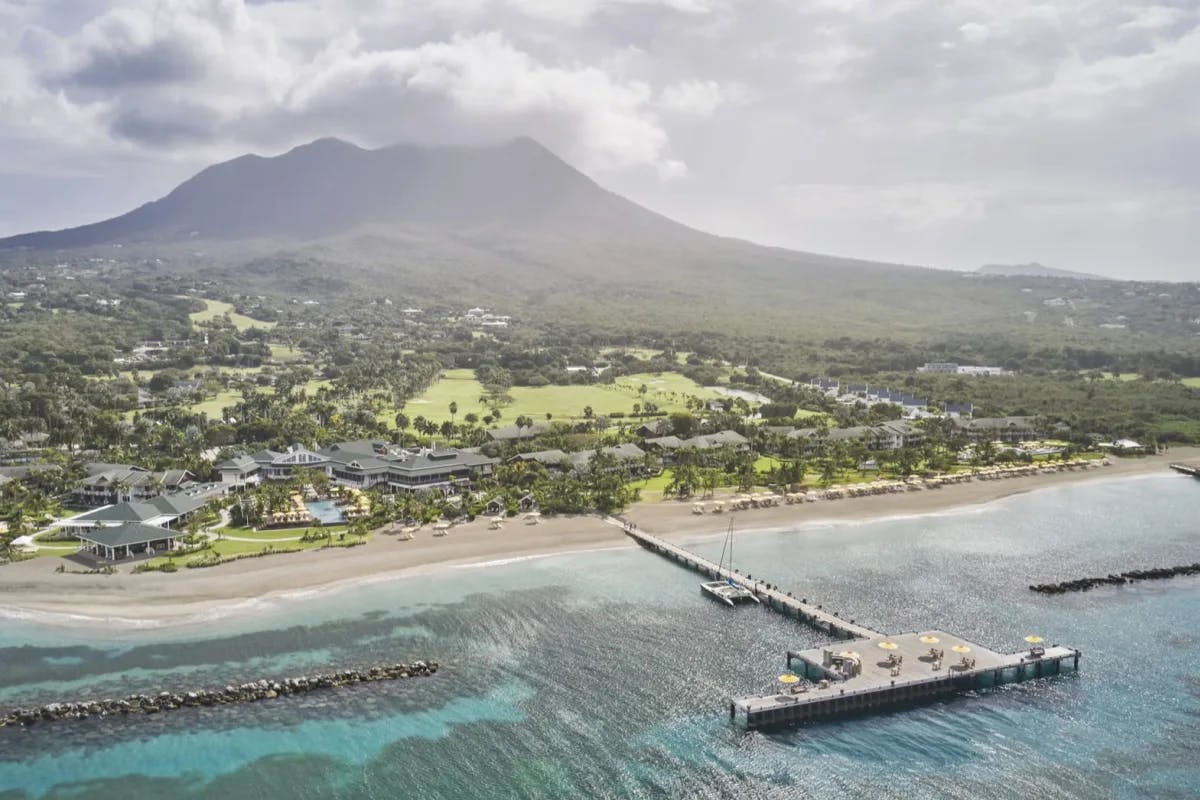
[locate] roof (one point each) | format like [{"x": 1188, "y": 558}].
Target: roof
[
  {"x": 101, "y": 468},
  {"x": 719, "y": 439},
  {"x": 128, "y": 534},
  {"x": 169, "y": 505},
  {"x": 620, "y": 452},
  {"x": 121, "y": 512},
  {"x": 241, "y": 463},
  {"x": 666, "y": 442},
  {"x": 997, "y": 423},
  {"x": 657, "y": 427},
  {"x": 551, "y": 458}
]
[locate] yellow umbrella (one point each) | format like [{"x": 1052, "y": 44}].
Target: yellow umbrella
[
  {"x": 789, "y": 678},
  {"x": 1034, "y": 639},
  {"x": 889, "y": 645},
  {"x": 930, "y": 639},
  {"x": 961, "y": 648},
  {"x": 849, "y": 654}
]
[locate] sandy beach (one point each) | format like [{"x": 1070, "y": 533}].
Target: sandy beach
[{"x": 33, "y": 589}]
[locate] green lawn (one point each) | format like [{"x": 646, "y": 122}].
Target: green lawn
[
  {"x": 217, "y": 308},
  {"x": 668, "y": 390},
  {"x": 1192, "y": 382},
  {"x": 226, "y": 548},
  {"x": 212, "y": 407},
  {"x": 281, "y": 352},
  {"x": 643, "y": 353},
  {"x": 277, "y": 534}
]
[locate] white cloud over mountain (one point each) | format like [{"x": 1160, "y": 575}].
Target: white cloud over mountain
[{"x": 948, "y": 134}]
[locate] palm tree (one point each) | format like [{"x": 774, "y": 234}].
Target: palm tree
[{"x": 453, "y": 410}]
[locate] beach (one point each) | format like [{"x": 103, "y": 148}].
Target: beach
[{"x": 32, "y": 589}]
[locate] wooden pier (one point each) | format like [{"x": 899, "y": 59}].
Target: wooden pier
[
  {"x": 776, "y": 600},
  {"x": 1187, "y": 468},
  {"x": 870, "y": 670}
]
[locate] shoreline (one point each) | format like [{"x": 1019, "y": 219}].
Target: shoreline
[{"x": 31, "y": 592}]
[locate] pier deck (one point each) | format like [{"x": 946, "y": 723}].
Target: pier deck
[
  {"x": 904, "y": 671},
  {"x": 778, "y": 600},
  {"x": 1187, "y": 468},
  {"x": 877, "y": 688}
]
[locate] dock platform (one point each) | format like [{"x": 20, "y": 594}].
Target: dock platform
[
  {"x": 1187, "y": 468},
  {"x": 870, "y": 670},
  {"x": 860, "y": 675}
]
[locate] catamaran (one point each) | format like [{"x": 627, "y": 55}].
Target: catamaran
[{"x": 728, "y": 591}]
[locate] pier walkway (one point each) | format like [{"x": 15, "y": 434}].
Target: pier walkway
[
  {"x": 1187, "y": 468},
  {"x": 780, "y": 601},
  {"x": 872, "y": 670}
]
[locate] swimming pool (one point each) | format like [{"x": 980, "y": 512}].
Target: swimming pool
[{"x": 326, "y": 512}]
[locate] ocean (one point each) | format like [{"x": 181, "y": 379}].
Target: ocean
[{"x": 607, "y": 674}]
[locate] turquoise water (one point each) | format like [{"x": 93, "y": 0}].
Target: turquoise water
[
  {"x": 327, "y": 512},
  {"x": 606, "y": 674}
]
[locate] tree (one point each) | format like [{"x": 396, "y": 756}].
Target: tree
[{"x": 453, "y": 410}]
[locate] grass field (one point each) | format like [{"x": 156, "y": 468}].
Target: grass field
[
  {"x": 278, "y": 534},
  {"x": 217, "y": 308},
  {"x": 668, "y": 390},
  {"x": 281, "y": 352},
  {"x": 1193, "y": 382},
  {"x": 226, "y": 548},
  {"x": 644, "y": 353}
]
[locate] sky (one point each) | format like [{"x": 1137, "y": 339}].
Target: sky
[{"x": 948, "y": 134}]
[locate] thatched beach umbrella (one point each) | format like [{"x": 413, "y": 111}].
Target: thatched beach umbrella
[
  {"x": 888, "y": 646},
  {"x": 1034, "y": 639},
  {"x": 961, "y": 648},
  {"x": 929, "y": 638},
  {"x": 789, "y": 678}
]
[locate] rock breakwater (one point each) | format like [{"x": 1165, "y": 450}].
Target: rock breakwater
[
  {"x": 1119, "y": 579},
  {"x": 253, "y": 692}
]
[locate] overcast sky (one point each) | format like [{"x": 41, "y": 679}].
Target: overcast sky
[{"x": 949, "y": 133}]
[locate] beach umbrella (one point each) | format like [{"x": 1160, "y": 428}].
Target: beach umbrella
[
  {"x": 788, "y": 677},
  {"x": 930, "y": 639},
  {"x": 961, "y": 648},
  {"x": 889, "y": 646},
  {"x": 1034, "y": 639},
  {"x": 849, "y": 654}
]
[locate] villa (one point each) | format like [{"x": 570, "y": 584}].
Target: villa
[
  {"x": 363, "y": 465},
  {"x": 106, "y": 484},
  {"x": 163, "y": 511}
]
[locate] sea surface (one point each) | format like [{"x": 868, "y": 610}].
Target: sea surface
[{"x": 607, "y": 674}]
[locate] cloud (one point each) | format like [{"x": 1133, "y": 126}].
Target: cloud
[
  {"x": 700, "y": 98},
  {"x": 888, "y": 128}
]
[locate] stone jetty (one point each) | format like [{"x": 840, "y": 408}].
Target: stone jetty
[
  {"x": 1120, "y": 579},
  {"x": 264, "y": 689}
]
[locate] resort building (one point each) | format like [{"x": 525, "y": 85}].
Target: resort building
[
  {"x": 162, "y": 512},
  {"x": 627, "y": 457},
  {"x": 127, "y": 540},
  {"x": 669, "y": 446},
  {"x": 512, "y": 433},
  {"x": 115, "y": 483},
  {"x": 1003, "y": 429},
  {"x": 363, "y": 465}
]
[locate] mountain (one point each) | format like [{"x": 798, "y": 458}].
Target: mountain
[
  {"x": 1035, "y": 270},
  {"x": 331, "y": 187},
  {"x": 510, "y": 225}
]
